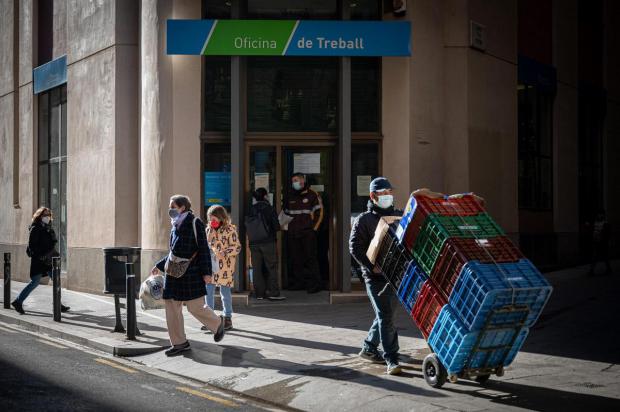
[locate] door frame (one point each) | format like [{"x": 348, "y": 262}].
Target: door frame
[{"x": 335, "y": 282}]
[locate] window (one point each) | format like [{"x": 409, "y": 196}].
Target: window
[
  {"x": 287, "y": 94},
  {"x": 216, "y": 179},
  {"x": 52, "y": 161},
  {"x": 364, "y": 168},
  {"x": 217, "y": 9},
  {"x": 365, "y": 90},
  {"x": 293, "y": 9},
  {"x": 45, "y": 32},
  {"x": 535, "y": 157},
  {"x": 365, "y": 9},
  {"x": 217, "y": 94}
]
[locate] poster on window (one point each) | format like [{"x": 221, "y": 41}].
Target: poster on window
[
  {"x": 261, "y": 180},
  {"x": 307, "y": 163},
  {"x": 217, "y": 188}
]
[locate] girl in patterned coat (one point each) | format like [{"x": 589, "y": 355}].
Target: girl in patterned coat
[{"x": 225, "y": 246}]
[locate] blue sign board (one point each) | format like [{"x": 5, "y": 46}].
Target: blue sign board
[
  {"x": 217, "y": 188},
  {"x": 288, "y": 38},
  {"x": 50, "y": 75}
]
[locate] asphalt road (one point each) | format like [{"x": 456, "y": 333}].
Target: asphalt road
[{"x": 38, "y": 373}]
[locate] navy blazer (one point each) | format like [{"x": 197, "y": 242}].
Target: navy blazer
[{"x": 183, "y": 244}]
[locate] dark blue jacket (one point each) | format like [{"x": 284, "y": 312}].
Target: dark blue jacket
[
  {"x": 183, "y": 244},
  {"x": 41, "y": 242}
]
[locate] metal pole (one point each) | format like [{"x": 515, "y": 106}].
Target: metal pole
[
  {"x": 130, "y": 295},
  {"x": 117, "y": 310},
  {"x": 7, "y": 281},
  {"x": 56, "y": 287}
]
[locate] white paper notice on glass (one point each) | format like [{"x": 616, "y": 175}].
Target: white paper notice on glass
[
  {"x": 363, "y": 183},
  {"x": 261, "y": 180},
  {"x": 270, "y": 198},
  {"x": 318, "y": 188},
  {"x": 307, "y": 163}
]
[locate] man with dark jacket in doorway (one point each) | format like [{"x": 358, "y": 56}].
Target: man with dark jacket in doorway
[
  {"x": 305, "y": 206},
  {"x": 382, "y": 298}
]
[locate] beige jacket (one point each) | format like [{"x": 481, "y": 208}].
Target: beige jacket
[{"x": 225, "y": 245}]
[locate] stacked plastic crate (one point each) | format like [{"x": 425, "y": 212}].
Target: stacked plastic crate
[{"x": 481, "y": 296}]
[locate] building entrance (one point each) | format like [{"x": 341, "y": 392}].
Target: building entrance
[{"x": 271, "y": 166}]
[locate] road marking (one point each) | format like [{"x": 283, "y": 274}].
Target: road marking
[
  {"x": 115, "y": 365},
  {"x": 56, "y": 345},
  {"x": 195, "y": 392}
]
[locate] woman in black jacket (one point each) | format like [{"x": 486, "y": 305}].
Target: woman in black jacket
[
  {"x": 41, "y": 248},
  {"x": 187, "y": 241}
]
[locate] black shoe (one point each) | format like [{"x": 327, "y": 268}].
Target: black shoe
[
  {"x": 18, "y": 307},
  {"x": 315, "y": 289},
  {"x": 228, "y": 324},
  {"x": 371, "y": 356},
  {"x": 219, "y": 334},
  {"x": 64, "y": 308},
  {"x": 177, "y": 349}
]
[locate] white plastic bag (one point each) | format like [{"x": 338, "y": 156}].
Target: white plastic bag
[{"x": 151, "y": 293}]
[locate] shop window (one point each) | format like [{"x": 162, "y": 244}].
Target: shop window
[
  {"x": 287, "y": 94},
  {"x": 364, "y": 168},
  {"x": 365, "y": 90},
  {"x": 216, "y": 175},
  {"x": 52, "y": 161},
  {"x": 217, "y": 94},
  {"x": 535, "y": 156},
  {"x": 292, "y": 9}
]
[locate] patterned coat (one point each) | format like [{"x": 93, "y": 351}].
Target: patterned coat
[
  {"x": 183, "y": 244},
  {"x": 225, "y": 245}
]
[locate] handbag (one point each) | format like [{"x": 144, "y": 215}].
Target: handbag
[{"x": 177, "y": 266}]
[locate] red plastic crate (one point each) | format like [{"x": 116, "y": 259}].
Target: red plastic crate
[
  {"x": 466, "y": 205},
  {"x": 458, "y": 251},
  {"x": 427, "y": 307}
]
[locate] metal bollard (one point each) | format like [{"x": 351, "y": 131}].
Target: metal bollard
[
  {"x": 7, "y": 281},
  {"x": 56, "y": 288},
  {"x": 118, "y": 327},
  {"x": 130, "y": 295}
]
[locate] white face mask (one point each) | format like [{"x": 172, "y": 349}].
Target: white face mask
[
  {"x": 46, "y": 220},
  {"x": 297, "y": 185},
  {"x": 385, "y": 201}
]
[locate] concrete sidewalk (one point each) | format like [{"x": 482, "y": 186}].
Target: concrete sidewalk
[{"x": 304, "y": 355}]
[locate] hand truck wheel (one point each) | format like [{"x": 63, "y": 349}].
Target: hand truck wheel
[{"x": 434, "y": 372}]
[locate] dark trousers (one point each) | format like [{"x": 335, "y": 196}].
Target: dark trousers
[
  {"x": 265, "y": 256},
  {"x": 302, "y": 250},
  {"x": 382, "y": 330}
]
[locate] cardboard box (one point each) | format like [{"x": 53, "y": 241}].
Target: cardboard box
[{"x": 380, "y": 233}]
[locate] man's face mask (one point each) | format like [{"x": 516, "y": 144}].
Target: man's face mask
[
  {"x": 297, "y": 185},
  {"x": 385, "y": 201}
]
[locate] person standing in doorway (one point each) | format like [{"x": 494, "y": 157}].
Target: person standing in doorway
[
  {"x": 261, "y": 227},
  {"x": 382, "y": 298},
  {"x": 305, "y": 206},
  {"x": 41, "y": 249},
  {"x": 225, "y": 246},
  {"x": 187, "y": 242}
]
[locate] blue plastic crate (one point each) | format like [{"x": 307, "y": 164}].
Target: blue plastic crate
[
  {"x": 481, "y": 288},
  {"x": 410, "y": 286},
  {"x": 454, "y": 344}
]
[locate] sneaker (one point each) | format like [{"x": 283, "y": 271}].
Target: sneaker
[
  {"x": 177, "y": 349},
  {"x": 64, "y": 308},
  {"x": 219, "y": 334},
  {"x": 228, "y": 324},
  {"x": 372, "y": 356},
  {"x": 276, "y": 298},
  {"x": 393, "y": 368},
  {"x": 260, "y": 298},
  {"x": 18, "y": 307}
]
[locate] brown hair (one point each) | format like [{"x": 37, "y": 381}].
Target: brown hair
[
  {"x": 36, "y": 217},
  {"x": 181, "y": 201},
  {"x": 219, "y": 212}
]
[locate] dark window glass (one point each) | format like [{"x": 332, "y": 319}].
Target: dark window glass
[
  {"x": 535, "y": 157},
  {"x": 217, "y": 93},
  {"x": 365, "y": 9},
  {"x": 44, "y": 126},
  {"x": 364, "y": 168},
  {"x": 45, "y": 31},
  {"x": 217, "y": 9},
  {"x": 293, "y": 9},
  {"x": 217, "y": 167},
  {"x": 292, "y": 94},
  {"x": 365, "y": 89}
]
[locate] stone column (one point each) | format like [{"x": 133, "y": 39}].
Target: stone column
[{"x": 155, "y": 130}]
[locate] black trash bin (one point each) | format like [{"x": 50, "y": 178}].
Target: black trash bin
[{"x": 114, "y": 262}]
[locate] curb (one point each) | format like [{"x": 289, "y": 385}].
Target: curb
[{"x": 108, "y": 345}]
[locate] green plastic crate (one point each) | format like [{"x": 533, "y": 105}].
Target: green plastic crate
[{"x": 437, "y": 229}]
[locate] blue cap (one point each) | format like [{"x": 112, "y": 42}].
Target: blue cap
[{"x": 379, "y": 184}]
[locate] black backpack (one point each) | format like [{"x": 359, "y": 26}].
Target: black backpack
[{"x": 256, "y": 228}]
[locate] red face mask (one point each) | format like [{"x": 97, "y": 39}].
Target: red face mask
[{"x": 215, "y": 224}]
